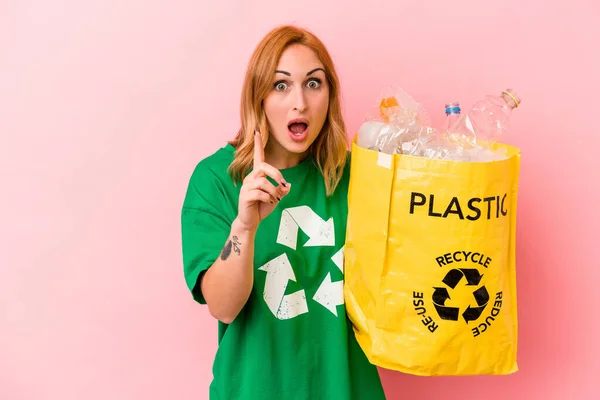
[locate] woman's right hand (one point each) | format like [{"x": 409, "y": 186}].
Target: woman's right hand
[{"x": 258, "y": 196}]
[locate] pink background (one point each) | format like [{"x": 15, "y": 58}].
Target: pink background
[{"x": 106, "y": 106}]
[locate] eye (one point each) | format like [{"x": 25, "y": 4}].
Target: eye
[
  {"x": 280, "y": 86},
  {"x": 314, "y": 83}
]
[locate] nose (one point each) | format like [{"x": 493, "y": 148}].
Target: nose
[{"x": 299, "y": 101}]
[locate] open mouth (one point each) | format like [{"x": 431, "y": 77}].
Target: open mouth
[{"x": 298, "y": 128}]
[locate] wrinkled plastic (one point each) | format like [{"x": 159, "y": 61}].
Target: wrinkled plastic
[
  {"x": 485, "y": 122},
  {"x": 415, "y": 304},
  {"x": 402, "y": 126}
]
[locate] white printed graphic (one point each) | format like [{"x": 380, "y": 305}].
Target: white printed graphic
[
  {"x": 279, "y": 273},
  {"x": 331, "y": 294},
  {"x": 338, "y": 259},
  {"x": 319, "y": 231}
]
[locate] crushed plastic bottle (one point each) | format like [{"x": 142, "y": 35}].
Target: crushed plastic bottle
[
  {"x": 483, "y": 124},
  {"x": 452, "y": 115},
  {"x": 403, "y": 128},
  {"x": 437, "y": 145},
  {"x": 400, "y": 126}
]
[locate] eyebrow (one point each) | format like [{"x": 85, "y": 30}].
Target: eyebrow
[
  {"x": 278, "y": 71},
  {"x": 314, "y": 70}
]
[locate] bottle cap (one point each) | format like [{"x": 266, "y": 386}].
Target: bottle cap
[
  {"x": 452, "y": 108},
  {"x": 511, "y": 98}
]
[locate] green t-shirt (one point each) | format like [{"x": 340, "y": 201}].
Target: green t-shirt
[{"x": 292, "y": 340}]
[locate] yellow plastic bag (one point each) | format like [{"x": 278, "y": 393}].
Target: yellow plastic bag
[{"x": 430, "y": 283}]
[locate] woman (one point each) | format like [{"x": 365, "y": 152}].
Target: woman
[{"x": 263, "y": 229}]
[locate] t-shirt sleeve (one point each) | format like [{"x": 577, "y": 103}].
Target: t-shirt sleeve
[{"x": 205, "y": 227}]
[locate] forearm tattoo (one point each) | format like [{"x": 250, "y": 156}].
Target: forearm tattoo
[{"x": 232, "y": 243}]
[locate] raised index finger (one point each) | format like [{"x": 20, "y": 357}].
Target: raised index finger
[{"x": 259, "y": 152}]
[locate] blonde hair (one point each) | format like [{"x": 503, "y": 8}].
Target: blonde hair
[{"x": 330, "y": 147}]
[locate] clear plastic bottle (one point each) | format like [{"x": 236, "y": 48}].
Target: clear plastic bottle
[
  {"x": 482, "y": 125},
  {"x": 452, "y": 149},
  {"x": 436, "y": 145},
  {"x": 452, "y": 115}
]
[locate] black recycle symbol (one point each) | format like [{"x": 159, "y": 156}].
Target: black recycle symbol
[{"x": 452, "y": 278}]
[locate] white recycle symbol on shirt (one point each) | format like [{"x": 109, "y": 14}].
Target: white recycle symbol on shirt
[{"x": 280, "y": 271}]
